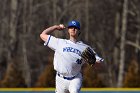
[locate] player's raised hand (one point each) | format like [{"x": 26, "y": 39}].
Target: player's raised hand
[{"x": 60, "y": 27}]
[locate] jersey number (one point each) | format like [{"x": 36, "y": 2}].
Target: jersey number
[{"x": 79, "y": 61}]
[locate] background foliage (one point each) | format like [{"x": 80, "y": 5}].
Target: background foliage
[{"x": 111, "y": 26}]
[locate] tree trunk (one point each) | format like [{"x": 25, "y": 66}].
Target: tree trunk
[
  {"x": 12, "y": 30},
  {"x": 87, "y": 20},
  {"x": 55, "y": 15},
  {"x": 116, "y": 50},
  {"x": 3, "y": 29},
  {"x": 138, "y": 33},
  {"x": 122, "y": 45},
  {"x": 26, "y": 68}
]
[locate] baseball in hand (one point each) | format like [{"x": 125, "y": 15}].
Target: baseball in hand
[{"x": 62, "y": 26}]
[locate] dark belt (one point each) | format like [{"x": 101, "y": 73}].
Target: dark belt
[{"x": 68, "y": 78}]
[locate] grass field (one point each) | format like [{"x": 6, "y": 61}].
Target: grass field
[{"x": 83, "y": 90}]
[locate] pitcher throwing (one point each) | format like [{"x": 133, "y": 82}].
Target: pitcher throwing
[{"x": 70, "y": 55}]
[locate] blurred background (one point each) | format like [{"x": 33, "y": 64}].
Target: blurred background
[{"x": 112, "y": 27}]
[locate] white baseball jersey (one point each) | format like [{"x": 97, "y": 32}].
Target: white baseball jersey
[{"x": 67, "y": 59}]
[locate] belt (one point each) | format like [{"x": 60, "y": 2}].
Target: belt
[{"x": 68, "y": 78}]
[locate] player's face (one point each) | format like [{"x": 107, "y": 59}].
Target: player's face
[{"x": 73, "y": 31}]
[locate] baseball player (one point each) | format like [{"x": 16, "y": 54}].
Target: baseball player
[{"x": 67, "y": 57}]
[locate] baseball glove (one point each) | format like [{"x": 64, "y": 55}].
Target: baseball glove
[{"x": 89, "y": 56}]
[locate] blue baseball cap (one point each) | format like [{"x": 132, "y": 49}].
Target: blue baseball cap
[{"x": 74, "y": 23}]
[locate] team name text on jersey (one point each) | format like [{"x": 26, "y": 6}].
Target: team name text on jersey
[{"x": 70, "y": 49}]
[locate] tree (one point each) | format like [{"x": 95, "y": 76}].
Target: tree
[{"x": 122, "y": 45}]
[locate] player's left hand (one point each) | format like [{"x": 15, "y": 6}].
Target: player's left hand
[{"x": 89, "y": 56}]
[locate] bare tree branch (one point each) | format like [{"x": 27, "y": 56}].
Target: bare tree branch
[{"x": 133, "y": 44}]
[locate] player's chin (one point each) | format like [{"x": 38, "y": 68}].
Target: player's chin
[{"x": 73, "y": 34}]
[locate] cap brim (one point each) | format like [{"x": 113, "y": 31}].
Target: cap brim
[{"x": 74, "y": 26}]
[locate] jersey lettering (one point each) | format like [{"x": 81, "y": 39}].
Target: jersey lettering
[{"x": 70, "y": 49}]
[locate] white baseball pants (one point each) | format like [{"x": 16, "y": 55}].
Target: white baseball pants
[{"x": 68, "y": 86}]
